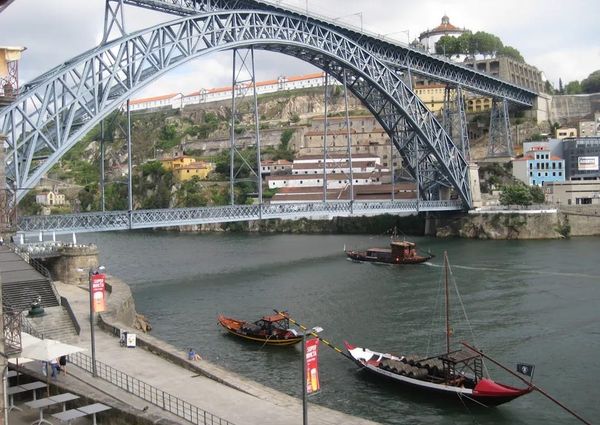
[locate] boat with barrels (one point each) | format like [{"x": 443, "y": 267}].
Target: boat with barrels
[
  {"x": 399, "y": 252},
  {"x": 456, "y": 372},
  {"x": 269, "y": 330}
]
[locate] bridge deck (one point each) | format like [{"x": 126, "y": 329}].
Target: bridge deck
[{"x": 148, "y": 219}]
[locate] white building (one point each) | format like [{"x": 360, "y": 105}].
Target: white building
[
  {"x": 430, "y": 37},
  {"x": 50, "y": 198},
  {"x": 176, "y": 101}
]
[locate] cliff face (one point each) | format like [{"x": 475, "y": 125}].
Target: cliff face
[
  {"x": 502, "y": 226},
  {"x": 568, "y": 221}
]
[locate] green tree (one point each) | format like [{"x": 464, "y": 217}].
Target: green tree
[
  {"x": 537, "y": 195},
  {"x": 190, "y": 194},
  {"x": 487, "y": 44},
  {"x": 574, "y": 87},
  {"x": 448, "y": 46},
  {"x": 592, "y": 83},
  {"x": 516, "y": 194},
  {"x": 510, "y": 52}
]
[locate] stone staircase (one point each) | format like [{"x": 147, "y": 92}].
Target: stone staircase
[
  {"x": 55, "y": 324},
  {"x": 19, "y": 295}
]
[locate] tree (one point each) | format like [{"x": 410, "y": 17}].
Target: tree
[
  {"x": 537, "y": 195},
  {"x": 448, "y": 46},
  {"x": 574, "y": 87},
  {"x": 487, "y": 44},
  {"x": 511, "y": 52},
  {"x": 516, "y": 194},
  {"x": 561, "y": 89},
  {"x": 592, "y": 83}
]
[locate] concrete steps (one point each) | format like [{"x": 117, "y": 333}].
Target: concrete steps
[
  {"x": 55, "y": 324},
  {"x": 19, "y": 295}
]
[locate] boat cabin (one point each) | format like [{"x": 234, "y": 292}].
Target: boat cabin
[
  {"x": 269, "y": 324},
  {"x": 403, "y": 249}
]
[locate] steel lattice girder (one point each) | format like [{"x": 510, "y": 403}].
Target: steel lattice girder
[
  {"x": 147, "y": 219},
  {"x": 403, "y": 57},
  {"x": 46, "y": 121}
]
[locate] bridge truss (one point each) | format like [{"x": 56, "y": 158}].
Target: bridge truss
[
  {"x": 53, "y": 114},
  {"x": 149, "y": 219}
]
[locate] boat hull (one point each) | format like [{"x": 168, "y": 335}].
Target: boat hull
[
  {"x": 486, "y": 392},
  {"x": 361, "y": 257},
  {"x": 237, "y": 328}
]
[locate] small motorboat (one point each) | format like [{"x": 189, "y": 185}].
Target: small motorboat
[{"x": 269, "y": 330}]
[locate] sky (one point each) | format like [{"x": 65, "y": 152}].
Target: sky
[{"x": 561, "y": 40}]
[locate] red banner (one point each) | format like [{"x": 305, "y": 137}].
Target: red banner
[
  {"x": 98, "y": 286},
  {"x": 312, "y": 366}
]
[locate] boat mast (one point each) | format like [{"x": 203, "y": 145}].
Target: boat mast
[{"x": 447, "y": 309}]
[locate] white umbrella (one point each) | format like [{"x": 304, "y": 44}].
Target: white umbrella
[{"x": 47, "y": 349}]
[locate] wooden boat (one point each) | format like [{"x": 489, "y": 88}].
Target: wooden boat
[
  {"x": 269, "y": 330},
  {"x": 400, "y": 252},
  {"x": 458, "y": 373}
]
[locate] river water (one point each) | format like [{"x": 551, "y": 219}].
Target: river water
[{"x": 535, "y": 302}]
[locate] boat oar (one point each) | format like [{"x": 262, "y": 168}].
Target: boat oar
[
  {"x": 529, "y": 384},
  {"x": 316, "y": 335}
]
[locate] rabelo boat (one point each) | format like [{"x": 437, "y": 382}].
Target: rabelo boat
[
  {"x": 399, "y": 252},
  {"x": 458, "y": 373},
  {"x": 269, "y": 330}
]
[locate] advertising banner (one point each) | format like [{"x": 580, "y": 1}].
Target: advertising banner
[
  {"x": 98, "y": 286},
  {"x": 587, "y": 163},
  {"x": 312, "y": 366}
]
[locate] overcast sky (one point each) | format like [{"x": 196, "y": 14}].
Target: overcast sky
[{"x": 562, "y": 40}]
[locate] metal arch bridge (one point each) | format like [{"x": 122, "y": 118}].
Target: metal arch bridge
[
  {"x": 55, "y": 110},
  {"x": 51, "y": 116},
  {"x": 149, "y": 219}
]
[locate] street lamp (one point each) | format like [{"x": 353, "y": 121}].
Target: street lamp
[
  {"x": 407, "y": 32},
  {"x": 313, "y": 331},
  {"x": 96, "y": 282},
  {"x": 359, "y": 14}
]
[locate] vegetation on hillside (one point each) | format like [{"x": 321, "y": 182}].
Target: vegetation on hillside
[{"x": 471, "y": 44}]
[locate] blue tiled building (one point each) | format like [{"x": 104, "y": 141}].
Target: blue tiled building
[{"x": 538, "y": 167}]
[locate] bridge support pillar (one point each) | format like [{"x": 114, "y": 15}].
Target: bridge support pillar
[
  {"x": 475, "y": 185},
  {"x": 500, "y": 140},
  {"x": 74, "y": 263}
]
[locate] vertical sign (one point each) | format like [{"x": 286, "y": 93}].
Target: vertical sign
[
  {"x": 312, "y": 366},
  {"x": 98, "y": 300}
]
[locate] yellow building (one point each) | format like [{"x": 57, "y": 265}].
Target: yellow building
[
  {"x": 178, "y": 161},
  {"x": 432, "y": 95},
  {"x": 185, "y": 167},
  {"x": 479, "y": 104},
  {"x": 200, "y": 169}
]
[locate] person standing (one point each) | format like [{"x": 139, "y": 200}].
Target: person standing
[
  {"x": 55, "y": 368},
  {"x": 62, "y": 362}
]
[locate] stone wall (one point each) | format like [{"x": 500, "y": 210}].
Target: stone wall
[
  {"x": 73, "y": 265},
  {"x": 518, "y": 225},
  {"x": 571, "y": 108}
]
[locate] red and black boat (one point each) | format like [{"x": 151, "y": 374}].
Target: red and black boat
[
  {"x": 458, "y": 373},
  {"x": 399, "y": 252},
  {"x": 269, "y": 330}
]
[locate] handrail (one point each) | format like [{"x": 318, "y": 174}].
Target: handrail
[
  {"x": 65, "y": 303},
  {"x": 147, "y": 392}
]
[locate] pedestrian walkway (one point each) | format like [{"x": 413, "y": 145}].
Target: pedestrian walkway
[{"x": 228, "y": 395}]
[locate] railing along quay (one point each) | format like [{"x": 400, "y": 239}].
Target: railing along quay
[
  {"x": 148, "y": 393},
  {"x": 147, "y": 219}
]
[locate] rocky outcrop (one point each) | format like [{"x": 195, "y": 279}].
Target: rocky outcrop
[{"x": 511, "y": 225}]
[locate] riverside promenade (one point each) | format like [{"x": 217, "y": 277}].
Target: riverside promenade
[{"x": 207, "y": 386}]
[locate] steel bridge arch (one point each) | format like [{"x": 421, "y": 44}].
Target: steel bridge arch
[{"x": 54, "y": 113}]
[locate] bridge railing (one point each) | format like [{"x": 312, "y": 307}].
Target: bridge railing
[
  {"x": 147, "y": 392},
  {"x": 145, "y": 219}
]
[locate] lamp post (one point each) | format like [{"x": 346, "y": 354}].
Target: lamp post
[
  {"x": 407, "y": 32},
  {"x": 312, "y": 331},
  {"x": 94, "y": 272}
]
